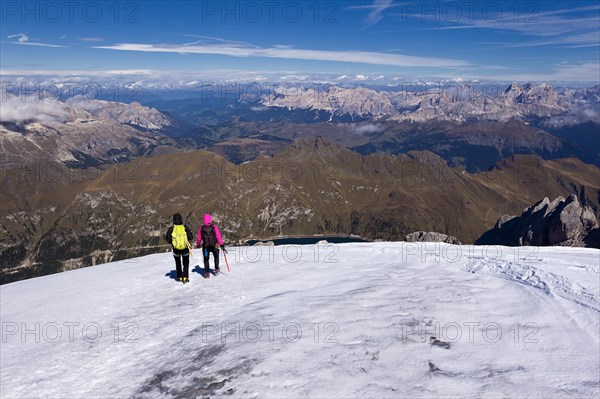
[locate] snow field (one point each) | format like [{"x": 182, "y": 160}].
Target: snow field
[{"x": 338, "y": 321}]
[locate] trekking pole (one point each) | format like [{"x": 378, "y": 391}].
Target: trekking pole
[
  {"x": 189, "y": 248},
  {"x": 226, "y": 263}
]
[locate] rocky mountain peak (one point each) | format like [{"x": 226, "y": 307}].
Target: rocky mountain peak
[
  {"x": 78, "y": 133},
  {"x": 522, "y": 102},
  {"x": 514, "y": 87},
  {"x": 132, "y": 114},
  {"x": 320, "y": 142},
  {"x": 562, "y": 222},
  {"x": 308, "y": 147}
]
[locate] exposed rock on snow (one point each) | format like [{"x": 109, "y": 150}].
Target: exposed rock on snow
[
  {"x": 437, "y": 342},
  {"x": 422, "y": 236},
  {"x": 561, "y": 222}
]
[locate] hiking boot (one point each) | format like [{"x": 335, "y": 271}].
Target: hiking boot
[
  {"x": 186, "y": 280},
  {"x": 217, "y": 270},
  {"x": 181, "y": 279}
]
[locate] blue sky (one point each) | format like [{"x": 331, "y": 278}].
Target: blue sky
[{"x": 543, "y": 40}]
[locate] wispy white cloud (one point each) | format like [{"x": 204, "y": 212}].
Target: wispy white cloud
[
  {"x": 209, "y": 40},
  {"x": 23, "y": 40},
  {"x": 562, "y": 72},
  {"x": 239, "y": 50},
  {"x": 566, "y": 27},
  {"x": 376, "y": 11},
  {"x": 81, "y": 72},
  {"x": 367, "y": 128},
  {"x": 542, "y": 28},
  {"x": 141, "y": 76},
  {"x": 589, "y": 39},
  {"x": 44, "y": 110},
  {"x": 586, "y": 72},
  {"x": 561, "y": 11}
]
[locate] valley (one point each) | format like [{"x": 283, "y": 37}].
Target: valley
[
  {"x": 92, "y": 181},
  {"x": 312, "y": 187}
]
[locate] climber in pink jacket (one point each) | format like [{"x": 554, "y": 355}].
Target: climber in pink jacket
[{"x": 209, "y": 237}]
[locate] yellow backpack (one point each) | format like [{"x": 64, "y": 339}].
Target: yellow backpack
[{"x": 180, "y": 240}]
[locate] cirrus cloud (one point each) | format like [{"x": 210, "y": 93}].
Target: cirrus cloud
[
  {"x": 236, "y": 50},
  {"x": 23, "y": 40}
]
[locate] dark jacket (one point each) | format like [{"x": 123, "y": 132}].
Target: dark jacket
[{"x": 188, "y": 232}]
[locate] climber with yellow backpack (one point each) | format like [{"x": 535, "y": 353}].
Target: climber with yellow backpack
[{"x": 179, "y": 237}]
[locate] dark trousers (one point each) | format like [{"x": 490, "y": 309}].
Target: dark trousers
[
  {"x": 185, "y": 254},
  {"x": 206, "y": 251}
]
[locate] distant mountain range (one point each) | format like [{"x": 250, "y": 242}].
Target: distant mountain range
[
  {"x": 78, "y": 134},
  {"x": 464, "y": 124},
  {"x": 461, "y": 123},
  {"x": 88, "y": 181},
  {"x": 458, "y": 103},
  {"x": 311, "y": 187}
]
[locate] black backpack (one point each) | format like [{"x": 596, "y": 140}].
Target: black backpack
[{"x": 209, "y": 237}]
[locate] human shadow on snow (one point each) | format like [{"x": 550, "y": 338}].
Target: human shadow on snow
[
  {"x": 172, "y": 274},
  {"x": 200, "y": 271}
]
